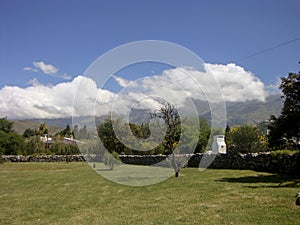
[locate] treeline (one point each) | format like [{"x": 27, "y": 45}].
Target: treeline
[
  {"x": 30, "y": 142},
  {"x": 137, "y": 132},
  {"x": 240, "y": 139}
]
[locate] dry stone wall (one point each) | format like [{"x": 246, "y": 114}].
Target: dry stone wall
[{"x": 284, "y": 164}]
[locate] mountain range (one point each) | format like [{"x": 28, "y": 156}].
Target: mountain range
[{"x": 252, "y": 112}]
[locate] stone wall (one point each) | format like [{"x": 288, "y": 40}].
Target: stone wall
[
  {"x": 265, "y": 162},
  {"x": 284, "y": 164},
  {"x": 43, "y": 158}
]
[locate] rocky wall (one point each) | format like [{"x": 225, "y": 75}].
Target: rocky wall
[{"x": 284, "y": 164}]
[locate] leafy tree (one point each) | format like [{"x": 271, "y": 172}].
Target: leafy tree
[
  {"x": 170, "y": 115},
  {"x": 247, "y": 138},
  {"x": 203, "y": 135},
  {"x": 43, "y": 129},
  {"x": 10, "y": 142},
  {"x": 108, "y": 137},
  {"x": 29, "y": 133},
  {"x": 228, "y": 139},
  {"x": 6, "y": 125},
  {"x": 33, "y": 145},
  {"x": 287, "y": 125},
  {"x": 67, "y": 132},
  {"x": 83, "y": 133}
]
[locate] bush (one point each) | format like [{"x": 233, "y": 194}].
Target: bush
[
  {"x": 1, "y": 159},
  {"x": 284, "y": 152},
  {"x": 111, "y": 160},
  {"x": 60, "y": 148},
  {"x": 33, "y": 145},
  {"x": 11, "y": 143},
  {"x": 247, "y": 139}
]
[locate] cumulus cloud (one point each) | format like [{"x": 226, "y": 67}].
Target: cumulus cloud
[
  {"x": 176, "y": 85},
  {"x": 40, "y": 101},
  {"x": 236, "y": 83},
  {"x": 45, "y": 68}
]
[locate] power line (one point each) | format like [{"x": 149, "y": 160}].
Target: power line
[
  {"x": 239, "y": 59},
  {"x": 267, "y": 49}
]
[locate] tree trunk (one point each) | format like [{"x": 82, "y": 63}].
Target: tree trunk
[{"x": 174, "y": 165}]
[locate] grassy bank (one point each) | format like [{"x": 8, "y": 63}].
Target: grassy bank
[{"x": 72, "y": 193}]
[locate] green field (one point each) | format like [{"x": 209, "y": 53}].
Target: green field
[{"x": 72, "y": 193}]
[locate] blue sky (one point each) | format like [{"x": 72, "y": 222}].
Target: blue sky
[{"x": 70, "y": 35}]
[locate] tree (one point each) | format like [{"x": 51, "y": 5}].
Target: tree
[
  {"x": 83, "y": 133},
  {"x": 43, "y": 129},
  {"x": 170, "y": 115},
  {"x": 67, "y": 132},
  {"x": 204, "y": 133},
  {"x": 247, "y": 138},
  {"x": 108, "y": 137},
  {"x": 228, "y": 139},
  {"x": 286, "y": 127},
  {"x": 10, "y": 142},
  {"x": 33, "y": 145},
  {"x": 6, "y": 125},
  {"x": 29, "y": 133}
]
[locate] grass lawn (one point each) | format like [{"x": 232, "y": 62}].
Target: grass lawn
[{"x": 72, "y": 193}]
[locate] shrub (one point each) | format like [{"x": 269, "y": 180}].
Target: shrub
[
  {"x": 60, "y": 148},
  {"x": 284, "y": 152},
  {"x": 1, "y": 159},
  {"x": 33, "y": 145},
  {"x": 111, "y": 159},
  {"x": 247, "y": 139}
]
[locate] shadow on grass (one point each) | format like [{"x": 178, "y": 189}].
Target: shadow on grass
[
  {"x": 274, "y": 181},
  {"x": 104, "y": 169}
]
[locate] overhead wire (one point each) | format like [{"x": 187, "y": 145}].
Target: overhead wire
[
  {"x": 238, "y": 59},
  {"x": 268, "y": 49}
]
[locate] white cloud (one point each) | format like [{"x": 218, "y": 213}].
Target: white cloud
[
  {"x": 175, "y": 85},
  {"x": 40, "y": 101},
  {"x": 273, "y": 89},
  {"x": 46, "y": 68},
  {"x": 178, "y": 84},
  {"x": 124, "y": 83},
  {"x": 34, "y": 82},
  {"x": 65, "y": 76},
  {"x": 236, "y": 83},
  {"x": 30, "y": 69}
]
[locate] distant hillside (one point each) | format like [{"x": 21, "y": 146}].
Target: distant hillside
[
  {"x": 21, "y": 125},
  {"x": 253, "y": 111},
  {"x": 60, "y": 122},
  {"x": 237, "y": 113}
]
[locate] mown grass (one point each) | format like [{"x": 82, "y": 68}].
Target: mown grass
[{"x": 72, "y": 193}]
